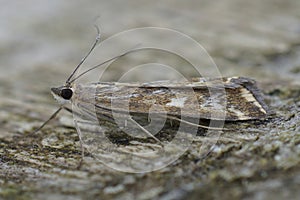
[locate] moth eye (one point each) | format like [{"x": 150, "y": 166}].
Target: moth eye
[{"x": 66, "y": 93}]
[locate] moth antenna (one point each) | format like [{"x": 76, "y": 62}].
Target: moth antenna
[
  {"x": 68, "y": 82},
  {"x": 46, "y": 122},
  {"x": 99, "y": 65}
]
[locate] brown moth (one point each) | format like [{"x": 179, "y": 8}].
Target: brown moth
[{"x": 243, "y": 99}]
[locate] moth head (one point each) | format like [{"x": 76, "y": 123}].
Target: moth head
[{"x": 62, "y": 94}]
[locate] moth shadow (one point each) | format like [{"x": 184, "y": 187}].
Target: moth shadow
[{"x": 124, "y": 134}]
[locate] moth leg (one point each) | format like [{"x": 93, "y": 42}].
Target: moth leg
[
  {"x": 46, "y": 122},
  {"x": 145, "y": 131},
  {"x": 68, "y": 109},
  {"x": 82, "y": 151},
  {"x": 80, "y": 141}
]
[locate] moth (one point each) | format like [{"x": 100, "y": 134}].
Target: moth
[
  {"x": 243, "y": 100},
  {"x": 116, "y": 105}
]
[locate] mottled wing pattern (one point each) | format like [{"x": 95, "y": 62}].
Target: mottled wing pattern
[{"x": 237, "y": 98}]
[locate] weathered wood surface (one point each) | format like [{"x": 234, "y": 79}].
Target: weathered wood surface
[{"x": 259, "y": 39}]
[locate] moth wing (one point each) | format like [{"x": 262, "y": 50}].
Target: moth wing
[{"x": 234, "y": 98}]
